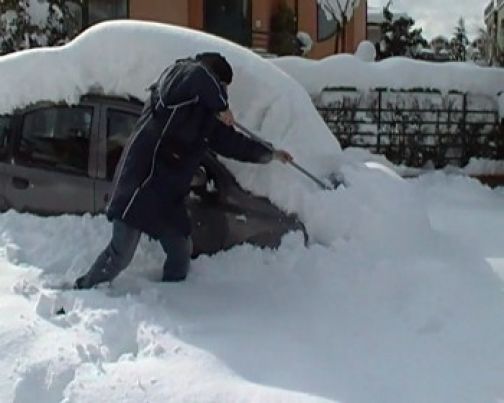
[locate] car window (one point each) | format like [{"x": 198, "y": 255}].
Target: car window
[
  {"x": 5, "y": 125},
  {"x": 56, "y": 138},
  {"x": 120, "y": 125}
]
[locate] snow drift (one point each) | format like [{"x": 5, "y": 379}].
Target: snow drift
[{"x": 392, "y": 312}]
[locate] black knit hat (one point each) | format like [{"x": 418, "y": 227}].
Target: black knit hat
[{"x": 218, "y": 64}]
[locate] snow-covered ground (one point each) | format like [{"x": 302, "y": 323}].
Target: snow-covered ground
[
  {"x": 404, "y": 305},
  {"x": 398, "y": 297}
]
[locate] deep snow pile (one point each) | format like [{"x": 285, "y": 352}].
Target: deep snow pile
[{"x": 402, "y": 306}]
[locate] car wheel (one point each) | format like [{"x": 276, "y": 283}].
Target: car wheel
[{"x": 4, "y": 206}]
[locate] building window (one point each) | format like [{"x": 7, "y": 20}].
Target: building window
[
  {"x": 326, "y": 26},
  {"x": 101, "y": 10}
]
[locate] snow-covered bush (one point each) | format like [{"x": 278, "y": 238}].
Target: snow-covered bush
[
  {"x": 283, "y": 39},
  {"x": 399, "y": 38},
  {"x": 415, "y": 128},
  {"x": 34, "y": 23},
  {"x": 459, "y": 42}
]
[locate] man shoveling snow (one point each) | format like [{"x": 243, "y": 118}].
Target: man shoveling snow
[{"x": 186, "y": 114}]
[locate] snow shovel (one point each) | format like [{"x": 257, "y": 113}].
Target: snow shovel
[{"x": 255, "y": 137}]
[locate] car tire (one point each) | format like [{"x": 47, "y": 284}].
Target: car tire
[{"x": 4, "y": 206}]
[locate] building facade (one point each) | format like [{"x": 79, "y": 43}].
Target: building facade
[
  {"x": 247, "y": 22},
  {"x": 494, "y": 21},
  {"x": 499, "y": 8}
]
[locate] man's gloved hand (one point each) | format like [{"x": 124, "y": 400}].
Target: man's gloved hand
[
  {"x": 282, "y": 156},
  {"x": 226, "y": 117}
]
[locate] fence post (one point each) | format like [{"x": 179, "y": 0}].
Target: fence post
[
  {"x": 500, "y": 134},
  {"x": 378, "y": 139},
  {"x": 464, "y": 130},
  {"x": 439, "y": 136},
  {"x": 464, "y": 112}
]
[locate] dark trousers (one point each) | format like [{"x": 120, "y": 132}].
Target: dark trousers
[{"x": 121, "y": 249}]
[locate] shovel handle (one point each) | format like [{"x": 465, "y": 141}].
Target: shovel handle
[{"x": 255, "y": 137}]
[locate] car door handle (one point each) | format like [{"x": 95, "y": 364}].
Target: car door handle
[{"x": 20, "y": 183}]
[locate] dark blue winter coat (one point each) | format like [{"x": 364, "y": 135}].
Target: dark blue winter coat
[{"x": 177, "y": 126}]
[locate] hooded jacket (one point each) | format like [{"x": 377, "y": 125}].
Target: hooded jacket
[{"x": 177, "y": 127}]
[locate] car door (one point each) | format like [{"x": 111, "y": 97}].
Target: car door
[
  {"x": 244, "y": 216},
  {"x": 117, "y": 122},
  {"x": 52, "y": 166}
]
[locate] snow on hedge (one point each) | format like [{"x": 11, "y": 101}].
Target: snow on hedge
[
  {"x": 353, "y": 77},
  {"x": 396, "y": 73}
]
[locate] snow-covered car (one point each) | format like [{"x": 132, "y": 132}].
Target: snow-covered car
[
  {"x": 60, "y": 159},
  {"x": 60, "y": 144}
]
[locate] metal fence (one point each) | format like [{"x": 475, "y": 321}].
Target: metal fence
[{"x": 417, "y": 127}]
